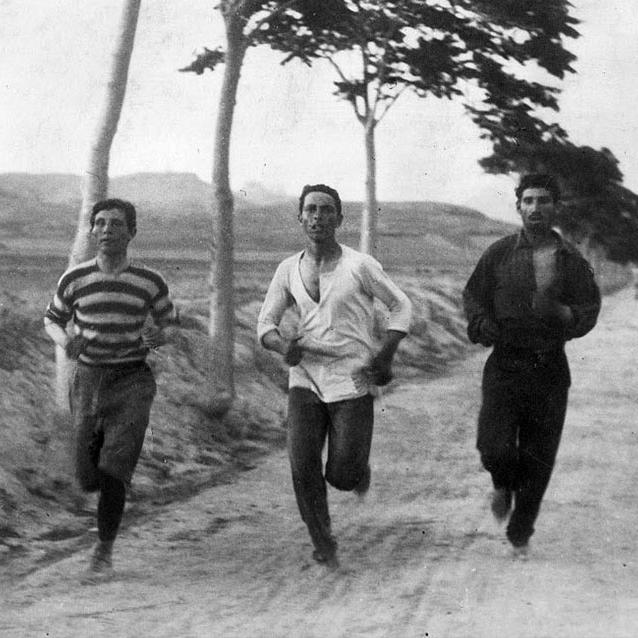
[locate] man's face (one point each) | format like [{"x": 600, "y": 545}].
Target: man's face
[
  {"x": 319, "y": 217},
  {"x": 111, "y": 232},
  {"x": 537, "y": 208}
]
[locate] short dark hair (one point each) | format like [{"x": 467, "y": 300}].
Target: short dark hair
[
  {"x": 538, "y": 180},
  {"x": 320, "y": 188},
  {"x": 120, "y": 204}
]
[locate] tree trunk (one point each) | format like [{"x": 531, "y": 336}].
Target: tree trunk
[
  {"x": 222, "y": 309},
  {"x": 96, "y": 176},
  {"x": 368, "y": 241}
]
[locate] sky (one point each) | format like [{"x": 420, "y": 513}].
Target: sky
[{"x": 289, "y": 129}]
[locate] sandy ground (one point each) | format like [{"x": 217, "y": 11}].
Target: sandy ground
[{"x": 421, "y": 555}]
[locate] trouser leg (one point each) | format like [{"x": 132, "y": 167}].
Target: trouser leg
[
  {"x": 349, "y": 441},
  {"x": 125, "y": 412},
  {"x": 539, "y": 438},
  {"x": 89, "y": 437},
  {"x": 110, "y": 506},
  {"x": 308, "y": 422},
  {"x": 498, "y": 428}
]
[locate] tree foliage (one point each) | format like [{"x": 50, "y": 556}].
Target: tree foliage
[
  {"x": 434, "y": 47},
  {"x": 471, "y": 50},
  {"x": 595, "y": 204}
]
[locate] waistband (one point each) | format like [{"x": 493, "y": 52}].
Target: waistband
[
  {"x": 125, "y": 365},
  {"x": 512, "y": 352}
]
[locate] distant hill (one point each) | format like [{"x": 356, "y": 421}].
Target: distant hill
[{"x": 174, "y": 215}]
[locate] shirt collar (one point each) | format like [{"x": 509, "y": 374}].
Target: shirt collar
[{"x": 523, "y": 242}]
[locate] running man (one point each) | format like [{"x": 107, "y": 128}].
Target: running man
[
  {"x": 108, "y": 301},
  {"x": 529, "y": 294},
  {"x": 333, "y": 360}
]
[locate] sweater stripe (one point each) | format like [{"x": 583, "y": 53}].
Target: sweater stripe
[{"x": 109, "y": 310}]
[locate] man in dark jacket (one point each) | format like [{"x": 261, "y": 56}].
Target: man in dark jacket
[{"x": 529, "y": 294}]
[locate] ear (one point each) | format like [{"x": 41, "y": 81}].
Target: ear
[{"x": 339, "y": 220}]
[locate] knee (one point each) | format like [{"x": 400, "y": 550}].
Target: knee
[
  {"x": 344, "y": 479},
  {"x": 343, "y": 483}
]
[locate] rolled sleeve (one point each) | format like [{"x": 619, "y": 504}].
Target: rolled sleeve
[
  {"x": 377, "y": 284},
  {"x": 277, "y": 300},
  {"x": 59, "y": 311}
]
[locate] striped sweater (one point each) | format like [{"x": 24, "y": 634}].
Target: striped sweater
[{"x": 109, "y": 310}]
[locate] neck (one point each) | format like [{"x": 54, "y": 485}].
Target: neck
[
  {"x": 323, "y": 251},
  {"x": 540, "y": 238},
  {"x": 112, "y": 262}
]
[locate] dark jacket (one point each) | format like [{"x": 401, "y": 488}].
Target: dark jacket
[{"x": 500, "y": 292}]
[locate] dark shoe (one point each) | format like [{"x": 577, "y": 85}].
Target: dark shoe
[
  {"x": 101, "y": 565},
  {"x": 362, "y": 487},
  {"x": 501, "y": 503},
  {"x": 329, "y": 560}
]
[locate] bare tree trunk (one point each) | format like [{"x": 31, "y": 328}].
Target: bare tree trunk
[
  {"x": 222, "y": 308},
  {"x": 369, "y": 216},
  {"x": 96, "y": 176}
]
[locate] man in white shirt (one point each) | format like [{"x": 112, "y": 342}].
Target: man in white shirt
[{"x": 332, "y": 358}]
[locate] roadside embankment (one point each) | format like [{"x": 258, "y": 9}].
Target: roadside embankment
[{"x": 194, "y": 439}]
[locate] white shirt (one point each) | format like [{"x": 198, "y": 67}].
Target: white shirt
[{"x": 338, "y": 329}]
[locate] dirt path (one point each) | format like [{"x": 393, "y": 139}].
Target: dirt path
[{"x": 421, "y": 556}]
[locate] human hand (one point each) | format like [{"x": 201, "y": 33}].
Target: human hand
[
  {"x": 152, "y": 336},
  {"x": 75, "y": 347},
  {"x": 548, "y": 307},
  {"x": 377, "y": 372},
  {"x": 293, "y": 352},
  {"x": 489, "y": 330}
]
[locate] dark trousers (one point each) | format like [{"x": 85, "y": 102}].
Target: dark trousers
[
  {"x": 110, "y": 409},
  {"x": 348, "y": 427},
  {"x": 519, "y": 428}
]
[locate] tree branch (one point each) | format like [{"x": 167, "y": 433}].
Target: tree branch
[
  {"x": 344, "y": 79},
  {"x": 390, "y": 102},
  {"x": 280, "y": 9}
]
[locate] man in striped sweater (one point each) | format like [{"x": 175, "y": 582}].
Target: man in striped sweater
[{"x": 108, "y": 302}]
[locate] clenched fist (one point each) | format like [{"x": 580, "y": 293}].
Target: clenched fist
[{"x": 75, "y": 347}]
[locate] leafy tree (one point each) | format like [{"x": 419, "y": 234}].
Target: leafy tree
[
  {"x": 245, "y": 21},
  {"x": 96, "y": 176},
  {"x": 596, "y": 207},
  {"x": 472, "y": 50}
]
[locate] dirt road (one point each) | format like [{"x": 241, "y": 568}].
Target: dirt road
[{"x": 421, "y": 556}]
